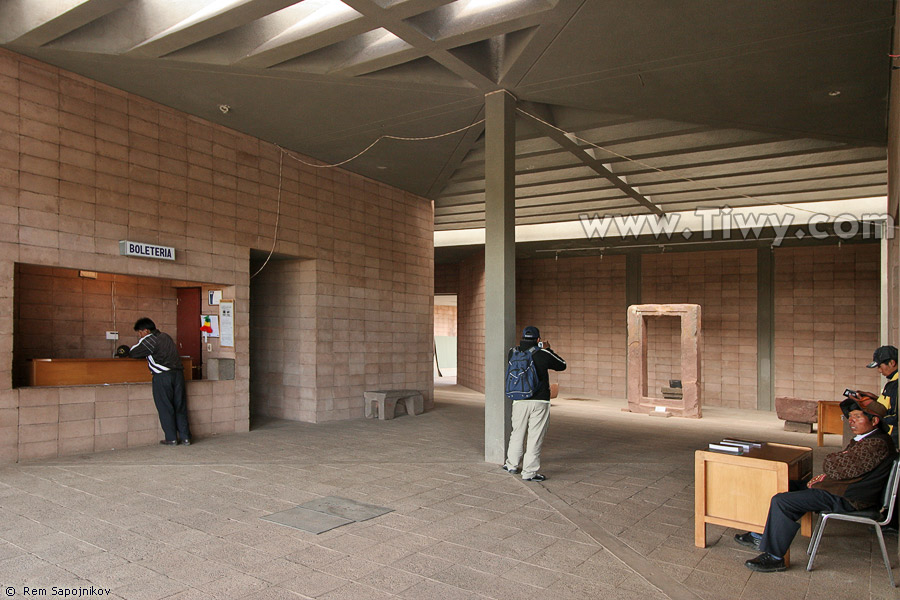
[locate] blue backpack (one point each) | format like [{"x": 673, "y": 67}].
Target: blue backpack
[{"x": 521, "y": 376}]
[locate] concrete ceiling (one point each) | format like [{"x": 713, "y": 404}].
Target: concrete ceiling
[{"x": 624, "y": 107}]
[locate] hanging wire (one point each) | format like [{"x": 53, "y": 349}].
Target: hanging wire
[
  {"x": 277, "y": 212},
  {"x": 284, "y": 152},
  {"x": 381, "y": 137}
]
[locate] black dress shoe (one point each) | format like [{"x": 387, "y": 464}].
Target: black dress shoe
[
  {"x": 168, "y": 442},
  {"x": 766, "y": 563},
  {"x": 747, "y": 539},
  {"x": 514, "y": 471},
  {"x": 536, "y": 477},
  {"x": 186, "y": 442}
]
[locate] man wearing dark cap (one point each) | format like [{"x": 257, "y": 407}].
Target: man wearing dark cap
[
  {"x": 531, "y": 416},
  {"x": 885, "y": 360},
  {"x": 853, "y": 479},
  {"x": 168, "y": 380}
]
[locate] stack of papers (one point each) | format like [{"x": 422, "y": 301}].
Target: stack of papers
[
  {"x": 725, "y": 448},
  {"x": 735, "y": 446}
]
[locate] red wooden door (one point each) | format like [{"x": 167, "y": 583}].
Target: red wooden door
[{"x": 188, "y": 322}]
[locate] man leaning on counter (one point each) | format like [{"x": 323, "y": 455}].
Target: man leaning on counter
[{"x": 168, "y": 380}]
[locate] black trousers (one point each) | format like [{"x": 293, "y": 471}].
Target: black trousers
[
  {"x": 171, "y": 404},
  {"x": 785, "y": 511}
]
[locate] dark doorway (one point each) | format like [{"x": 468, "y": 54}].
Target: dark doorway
[{"x": 189, "y": 328}]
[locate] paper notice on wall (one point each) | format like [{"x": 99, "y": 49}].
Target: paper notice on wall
[{"x": 226, "y": 323}]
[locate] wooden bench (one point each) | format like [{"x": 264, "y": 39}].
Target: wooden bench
[{"x": 383, "y": 403}]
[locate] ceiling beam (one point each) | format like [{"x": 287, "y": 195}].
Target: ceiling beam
[
  {"x": 460, "y": 152},
  {"x": 550, "y": 27},
  {"x": 394, "y": 23},
  {"x": 205, "y": 24},
  {"x": 563, "y": 140},
  {"x": 33, "y": 24}
]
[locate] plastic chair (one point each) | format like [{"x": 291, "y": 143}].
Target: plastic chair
[{"x": 872, "y": 516}]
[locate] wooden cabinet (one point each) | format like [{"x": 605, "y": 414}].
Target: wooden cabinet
[
  {"x": 92, "y": 371},
  {"x": 734, "y": 491},
  {"x": 829, "y": 419}
]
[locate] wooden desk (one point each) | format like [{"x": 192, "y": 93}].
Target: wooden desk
[
  {"x": 829, "y": 419},
  {"x": 92, "y": 371},
  {"x": 734, "y": 491}
]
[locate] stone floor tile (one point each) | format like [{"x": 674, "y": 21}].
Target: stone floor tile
[
  {"x": 234, "y": 585},
  {"x": 391, "y": 580},
  {"x": 418, "y": 563},
  {"x": 191, "y": 521},
  {"x": 435, "y": 590},
  {"x": 356, "y": 591}
]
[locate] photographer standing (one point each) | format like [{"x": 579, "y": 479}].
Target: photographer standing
[
  {"x": 885, "y": 360},
  {"x": 531, "y": 415}
]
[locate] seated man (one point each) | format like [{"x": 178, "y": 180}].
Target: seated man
[{"x": 854, "y": 479}]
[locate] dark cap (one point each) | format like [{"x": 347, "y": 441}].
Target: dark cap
[
  {"x": 883, "y": 355},
  {"x": 533, "y": 333}
]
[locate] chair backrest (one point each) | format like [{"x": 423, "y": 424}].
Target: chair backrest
[{"x": 890, "y": 490}]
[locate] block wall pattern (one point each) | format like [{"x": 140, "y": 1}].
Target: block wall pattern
[
  {"x": 61, "y": 315},
  {"x": 723, "y": 283},
  {"x": 83, "y": 165},
  {"x": 283, "y": 341},
  {"x": 445, "y": 320},
  {"x": 826, "y": 320},
  {"x": 579, "y": 306},
  {"x": 470, "y": 323}
]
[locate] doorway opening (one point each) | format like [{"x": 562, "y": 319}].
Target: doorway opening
[
  {"x": 445, "y": 339},
  {"x": 282, "y": 338}
]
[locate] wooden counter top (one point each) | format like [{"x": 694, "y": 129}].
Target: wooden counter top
[{"x": 92, "y": 371}]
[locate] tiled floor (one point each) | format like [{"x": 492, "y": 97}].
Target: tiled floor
[{"x": 615, "y": 519}]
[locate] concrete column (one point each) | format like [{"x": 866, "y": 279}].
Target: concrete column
[
  {"x": 765, "y": 328},
  {"x": 884, "y": 336},
  {"x": 890, "y": 274},
  {"x": 499, "y": 267}
]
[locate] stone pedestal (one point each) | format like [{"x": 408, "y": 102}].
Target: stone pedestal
[{"x": 638, "y": 398}]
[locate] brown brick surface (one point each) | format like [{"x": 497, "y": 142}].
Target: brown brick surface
[{"x": 88, "y": 165}]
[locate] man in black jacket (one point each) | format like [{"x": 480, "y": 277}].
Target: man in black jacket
[
  {"x": 531, "y": 416},
  {"x": 854, "y": 479},
  {"x": 885, "y": 360},
  {"x": 168, "y": 380}
]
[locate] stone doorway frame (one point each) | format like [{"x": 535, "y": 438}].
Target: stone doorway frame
[{"x": 639, "y": 401}]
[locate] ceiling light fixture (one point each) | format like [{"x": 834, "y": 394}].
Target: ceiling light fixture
[{"x": 834, "y": 93}]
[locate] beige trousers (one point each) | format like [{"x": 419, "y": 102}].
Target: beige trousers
[{"x": 529, "y": 417}]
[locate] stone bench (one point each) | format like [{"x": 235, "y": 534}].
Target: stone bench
[
  {"x": 798, "y": 414},
  {"x": 383, "y": 403}
]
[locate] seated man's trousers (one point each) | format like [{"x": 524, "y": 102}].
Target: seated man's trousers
[{"x": 785, "y": 511}]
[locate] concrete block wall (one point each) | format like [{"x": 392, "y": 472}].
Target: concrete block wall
[
  {"x": 61, "y": 315},
  {"x": 445, "y": 320},
  {"x": 579, "y": 306},
  {"x": 723, "y": 283},
  {"x": 663, "y": 353},
  {"x": 826, "y": 320},
  {"x": 83, "y": 165},
  {"x": 470, "y": 323},
  {"x": 283, "y": 341}
]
